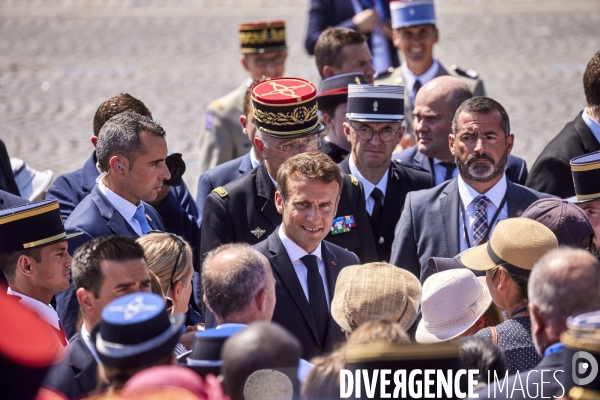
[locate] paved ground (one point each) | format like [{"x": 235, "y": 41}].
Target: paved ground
[{"x": 61, "y": 59}]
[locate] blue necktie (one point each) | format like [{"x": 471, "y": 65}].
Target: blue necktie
[
  {"x": 480, "y": 225},
  {"x": 140, "y": 217}
]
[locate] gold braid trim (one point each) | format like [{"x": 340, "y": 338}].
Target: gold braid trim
[
  {"x": 266, "y": 36},
  {"x": 290, "y": 118}
]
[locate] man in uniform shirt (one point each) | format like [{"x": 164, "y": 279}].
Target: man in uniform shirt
[
  {"x": 462, "y": 212},
  {"x": 263, "y": 55},
  {"x": 333, "y": 96},
  {"x": 103, "y": 269},
  {"x": 285, "y": 111},
  {"x": 374, "y": 128},
  {"x": 415, "y": 34},
  {"x": 34, "y": 257},
  {"x": 435, "y": 105}
]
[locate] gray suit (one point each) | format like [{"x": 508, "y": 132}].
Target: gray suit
[{"x": 429, "y": 225}]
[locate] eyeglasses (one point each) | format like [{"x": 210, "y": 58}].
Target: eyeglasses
[
  {"x": 263, "y": 61},
  {"x": 308, "y": 145},
  {"x": 386, "y": 134},
  {"x": 180, "y": 245}
]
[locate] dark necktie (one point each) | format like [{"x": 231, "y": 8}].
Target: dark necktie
[
  {"x": 416, "y": 87},
  {"x": 375, "y": 217},
  {"x": 449, "y": 170},
  {"x": 480, "y": 225},
  {"x": 316, "y": 296},
  {"x": 368, "y": 3}
]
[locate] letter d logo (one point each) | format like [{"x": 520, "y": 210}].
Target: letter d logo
[{"x": 583, "y": 367}]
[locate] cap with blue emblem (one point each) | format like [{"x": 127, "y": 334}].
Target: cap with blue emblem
[
  {"x": 136, "y": 330},
  {"x": 334, "y": 90},
  {"x": 407, "y": 13},
  {"x": 32, "y": 225},
  {"x": 586, "y": 175},
  {"x": 375, "y": 103},
  {"x": 205, "y": 356}
]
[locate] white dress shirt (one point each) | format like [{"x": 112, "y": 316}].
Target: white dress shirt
[
  {"x": 440, "y": 171},
  {"x": 368, "y": 186},
  {"x": 253, "y": 160},
  {"x": 410, "y": 78},
  {"x": 45, "y": 311},
  {"x": 124, "y": 207},
  {"x": 295, "y": 252},
  {"x": 592, "y": 124},
  {"x": 85, "y": 335},
  {"x": 467, "y": 195}
]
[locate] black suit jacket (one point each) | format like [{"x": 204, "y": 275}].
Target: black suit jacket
[
  {"x": 429, "y": 227},
  {"x": 338, "y": 13},
  {"x": 531, "y": 382},
  {"x": 292, "y": 309},
  {"x": 221, "y": 175},
  {"x": 95, "y": 216},
  {"x": 515, "y": 169},
  {"x": 402, "y": 179},
  {"x": 247, "y": 213},
  {"x": 77, "y": 375},
  {"x": 551, "y": 172}
]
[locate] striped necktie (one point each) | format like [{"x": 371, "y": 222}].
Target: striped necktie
[{"x": 480, "y": 225}]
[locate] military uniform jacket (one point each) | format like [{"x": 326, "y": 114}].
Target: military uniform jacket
[
  {"x": 221, "y": 135},
  {"x": 334, "y": 151},
  {"x": 244, "y": 211},
  {"x": 402, "y": 179},
  {"x": 551, "y": 172},
  {"x": 468, "y": 76}
]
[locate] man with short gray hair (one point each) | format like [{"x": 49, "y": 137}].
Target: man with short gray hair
[
  {"x": 562, "y": 283},
  {"x": 238, "y": 284},
  {"x": 131, "y": 152}
]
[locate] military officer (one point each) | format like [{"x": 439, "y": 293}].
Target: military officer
[
  {"x": 374, "y": 128},
  {"x": 285, "y": 111},
  {"x": 333, "y": 95},
  {"x": 415, "y": 34},
  {"x": 264, "y": 52}
]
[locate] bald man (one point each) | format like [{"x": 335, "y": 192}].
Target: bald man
[
  {"x": 435, "y": 105},
  {"x": 238, "y": 285}
]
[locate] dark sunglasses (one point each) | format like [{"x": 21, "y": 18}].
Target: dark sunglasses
[{"x": 180, "y": 245}]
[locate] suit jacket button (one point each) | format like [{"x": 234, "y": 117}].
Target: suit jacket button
[{"x": 381, "y": 240}]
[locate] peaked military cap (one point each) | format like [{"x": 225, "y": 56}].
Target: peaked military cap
[
  {"x": 375, "y": 103},
  {"x": 262, "y": 37},
  {"x": 407, "y": 13},
  {"x": 586, "y": 175},
  {"x": 32, "y": 225},
  {"x": 286, "y": 107},
  {"x": 334, "y": 90}
]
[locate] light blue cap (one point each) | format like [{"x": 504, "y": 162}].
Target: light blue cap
[{"x": 406, "y": 13}]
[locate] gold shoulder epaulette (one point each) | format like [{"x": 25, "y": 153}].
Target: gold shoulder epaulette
[
  {"x": 220, "y": 191},
  {"x": 353, "y": 179},
  {"x": 217, "y": 104}
]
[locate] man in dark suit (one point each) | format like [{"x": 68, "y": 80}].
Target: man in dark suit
[
  {"x": 304, "y": 265},
  {"x": 369, "y": 17},
  {"x": 229, "y": 171},
  {"x": 374, "y": 132},
  {"x": 174, "y": 203},
  {"x": 461, "y": 213},
  {"x": 131, "y": 153},
  {"x": 244, "y": 210},
  {"x": 103, "y": 269},
  {"x": 8, "y": 200},
  {"x": 551, "y": 172},
  {"x": 564, "y": 282},
  {"x": 435, "y": 105}
]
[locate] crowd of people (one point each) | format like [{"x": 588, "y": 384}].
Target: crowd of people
[{"x": 376, "y": 221}]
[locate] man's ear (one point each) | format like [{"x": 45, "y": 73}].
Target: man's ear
[
  {"x": 243, "y": 123},
  {"x": 118, "y": 165},
  {"x": 451, "y": 140},
  {"x": 327, "y": 120},
  {"x": 244, "y": 63},
  {"x": 510, "y": 139},
  {"x": 94, "y": 140},
  {"x": 346, "y": 127},
  {"x": 261, "y": 300},
  {"x": 260, "y": 146},
  {"x": 85, "y": 300},
  {"x": 396, "y": 38},
  {"x": 537, "y": 322},
  {"x": 205, "y": 300},
  {"x": 279, "y": 203},
  {"x": 328, "y": 71},
  {"x": 24, "y": 265},
  {"x": 436, "y": 33}
]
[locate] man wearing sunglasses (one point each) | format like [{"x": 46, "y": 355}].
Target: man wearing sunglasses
[
  {"x": 264, "y": 52},
  {"x": 285, "y": 111},
  {"x": 374, "y": 128}
]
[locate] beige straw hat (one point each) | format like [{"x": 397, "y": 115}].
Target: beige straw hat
[
  {"x": 452, "y": 302},
  {"x": 516, "y": 244},
  {"x": 373, "y": 291}
]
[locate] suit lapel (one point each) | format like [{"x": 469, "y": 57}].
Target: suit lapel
[
  {"x": 590, "y": 142},
  {"x": 283, "y": 266},
  {"x": 332, "y": 271},
  {"x": 245, "y": 164},
  {"x": 89, "y": 174},
  {"x": 115, "y": 220},
  {"x": 391, "y": 205},
  {"x": 424, "y": 162},
  {"x": 345, "y": 165},
  {"x": 266, "y": 190},
  {"x": 83, "y": 363},
  {"x": 515, "y": 199},
  {"x": 449, "y": 215}
]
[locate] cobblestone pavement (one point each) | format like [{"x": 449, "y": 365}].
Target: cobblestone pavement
[{"x": 61, "y": 59}]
